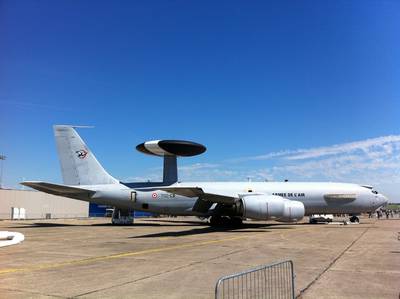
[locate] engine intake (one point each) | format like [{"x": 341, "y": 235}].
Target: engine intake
[{"x": 271, "y": 207}]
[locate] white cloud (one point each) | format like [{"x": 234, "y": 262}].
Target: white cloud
[
  {"x": 377, "y": 146},
  {"x": 367, "y": 146},
  {"x": 197, "y": 166},
  {"x": 206, "y": 172}
]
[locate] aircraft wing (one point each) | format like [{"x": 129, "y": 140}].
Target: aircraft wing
[
  {"x": 57, "y": 189},
  {"x": 203, "y": 193}
]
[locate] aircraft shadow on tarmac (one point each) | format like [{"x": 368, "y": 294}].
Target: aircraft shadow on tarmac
[
  {"x": 47, "y": 224},
  {"x": 189, "y": 222},
  {"x": 244, "y": 228},
  {"x": 201, "y": 227}
]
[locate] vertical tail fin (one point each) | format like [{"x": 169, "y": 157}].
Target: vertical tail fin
[{"x": 78, "y": 164}]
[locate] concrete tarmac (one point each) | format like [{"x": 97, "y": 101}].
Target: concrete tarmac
[{"x": 183, "y": 258}]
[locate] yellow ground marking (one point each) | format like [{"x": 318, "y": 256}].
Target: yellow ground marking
[{"x": 118, "y": 255}]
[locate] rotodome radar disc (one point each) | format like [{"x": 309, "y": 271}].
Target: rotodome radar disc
[{"x": 180, "y": 148}]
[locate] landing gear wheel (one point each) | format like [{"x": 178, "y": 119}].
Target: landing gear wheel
[
  {"x": 121, "y": 217},
  {"x": 225, "y": 221},
  {"x": 236, "y": 221},
  {"x": 354, "y": 219},
  {"x": 216, "y": 221}
]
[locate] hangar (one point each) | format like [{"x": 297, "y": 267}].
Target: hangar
[
  {"x": 27, "y": 204},
  {"x": 39, "y": 205}
]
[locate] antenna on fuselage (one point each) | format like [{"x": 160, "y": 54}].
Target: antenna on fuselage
[{"x": 170, "y": 150}]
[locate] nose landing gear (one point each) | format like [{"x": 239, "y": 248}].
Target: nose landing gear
[{"x": 354, "y": 219}]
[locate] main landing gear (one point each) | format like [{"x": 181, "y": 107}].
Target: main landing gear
[
  {"x": 225, "y": 221},
  {"x": 354, "y": 219},
  {"x": 121, "y": 217}
]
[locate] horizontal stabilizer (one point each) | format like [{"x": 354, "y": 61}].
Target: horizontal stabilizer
[{"x": 57, "y": 189}]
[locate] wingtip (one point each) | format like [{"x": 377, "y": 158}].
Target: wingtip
[{"x": 28, "y": 183}]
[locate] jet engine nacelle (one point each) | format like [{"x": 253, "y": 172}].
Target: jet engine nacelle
[
  {"x": 266, "y": 207},
  {"x": 294, "y": 211}
]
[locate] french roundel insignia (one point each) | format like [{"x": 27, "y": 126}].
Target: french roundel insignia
[{"x": 82, "y": 153}]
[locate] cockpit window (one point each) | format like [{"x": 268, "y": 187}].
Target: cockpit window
[{"x": 374, "y": 191}]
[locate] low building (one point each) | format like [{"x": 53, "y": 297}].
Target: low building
[{"x": 39, "y": 205}]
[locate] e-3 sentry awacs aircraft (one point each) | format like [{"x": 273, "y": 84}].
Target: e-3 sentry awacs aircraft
[{"x": 222, "y": 202}]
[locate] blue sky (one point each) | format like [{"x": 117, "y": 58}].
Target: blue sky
[{"x": 245, "y": 79}]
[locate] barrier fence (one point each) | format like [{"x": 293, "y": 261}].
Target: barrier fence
[{"x": 268, "y": 281}]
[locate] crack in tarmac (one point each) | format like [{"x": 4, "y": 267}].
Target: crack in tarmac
[{"x": 303, "y": 291}]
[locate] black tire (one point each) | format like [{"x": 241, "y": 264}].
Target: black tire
[
  {"x": 215, "y": 221},
  {"x": 222, "y": 221},
  {"x": 354, "y": 219},
  {"x": 236, "y": 221}
]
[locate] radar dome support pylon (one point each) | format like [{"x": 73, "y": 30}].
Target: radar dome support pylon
[
  {"x": 170, "y": 170},
  {"x": 170, "y": 150}
]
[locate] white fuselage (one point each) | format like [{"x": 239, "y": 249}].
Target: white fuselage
[{"x": 318, "y": 198}]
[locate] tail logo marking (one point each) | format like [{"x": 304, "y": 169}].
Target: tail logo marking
[{"x": 82, "y": 153}]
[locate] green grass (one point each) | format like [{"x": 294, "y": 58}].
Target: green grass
[{"x": 393, "y": 206}]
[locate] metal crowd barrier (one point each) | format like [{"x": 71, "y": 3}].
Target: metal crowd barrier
[{"x": 268, "y": 281}]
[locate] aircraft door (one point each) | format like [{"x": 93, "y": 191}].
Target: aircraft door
[{"x": 133, "y": 196}]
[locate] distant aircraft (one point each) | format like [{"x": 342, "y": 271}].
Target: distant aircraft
[{"x": 221, "y": 202}]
